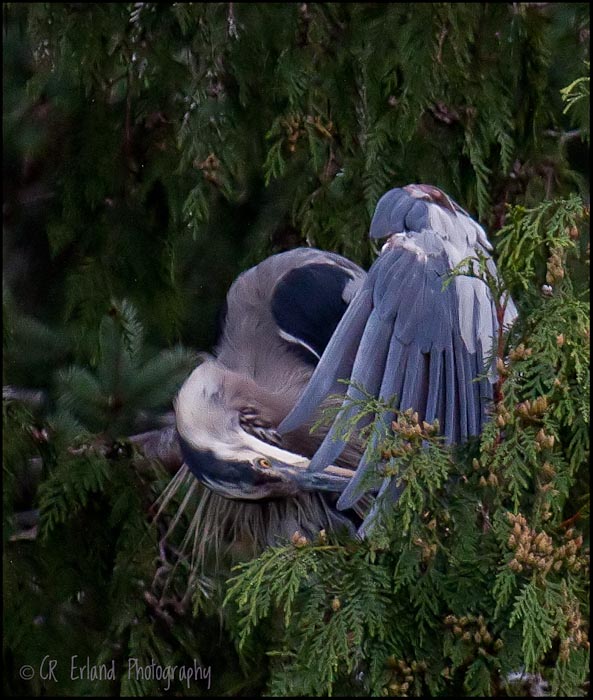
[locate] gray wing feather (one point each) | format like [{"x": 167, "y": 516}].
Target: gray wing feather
[
  {"x": 451, "y": 402},
  {"x": 394, "y": 370},
  {"x": 393, "y": 381},
  {"x": 436, "y": 394},
  {"x": 374, "y": 343},
  {"x": 463, "y": 386}
]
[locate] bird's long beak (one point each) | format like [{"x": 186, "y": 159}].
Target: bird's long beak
[{"x": 332, "y": 478}]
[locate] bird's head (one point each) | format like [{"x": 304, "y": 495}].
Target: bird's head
[{"x": 228, "y": 459}]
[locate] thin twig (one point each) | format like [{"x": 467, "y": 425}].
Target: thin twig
[{"x": 564, "y": 136}]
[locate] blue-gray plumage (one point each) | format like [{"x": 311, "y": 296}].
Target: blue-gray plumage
[
  {"x": 279, "y": 318},
  {"x": 301, "y": 322},
  {"x": 425, "y": 342}
]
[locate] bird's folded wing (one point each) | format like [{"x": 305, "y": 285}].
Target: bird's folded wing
[
  {"x": 409, "y": 337},
  {"x": 309, "y": 301}
]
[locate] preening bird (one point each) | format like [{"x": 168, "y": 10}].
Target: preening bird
[
  {"x": 305, "y": 326},
  {"x": 279, "y": 317}
]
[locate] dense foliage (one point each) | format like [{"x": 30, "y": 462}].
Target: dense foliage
[{"x": 152, "y": 152}]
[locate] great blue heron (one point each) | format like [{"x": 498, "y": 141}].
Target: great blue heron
[
  {"x": 279, "y": 317},
  {"x": 301, "y": 321}
]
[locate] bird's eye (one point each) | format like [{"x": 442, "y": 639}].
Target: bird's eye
[{"x": 264, "y": 463}]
